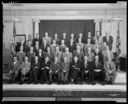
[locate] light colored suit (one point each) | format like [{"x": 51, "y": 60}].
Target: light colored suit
[{"x": 25, "y": 67}]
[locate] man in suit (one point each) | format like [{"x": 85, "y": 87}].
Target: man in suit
[
  {"x": 56, "y": 39},
  {"x": 75, "y": 69},
  {"x": 45, "y": 67},
  {"x": 64, "y": 38},
  {"x": 62, "y": 46},
  {"x": 58, "y": 54},
  {"x": 47, "y": 38},
  {"x": 20, "y": 55},
  {"x": 86, "y": 66},
  {"x": 35, "y": 67},
  {"x": 80, "y": 37},
  {"x": 14, "y": 69},
  {"x": 78, "y": 53},
  {"x": 44, "y": 46},
  {"x": 80, "y": 43},
  {"x": 72, "y": 38},
  {"x": 28, "y": 46},
  {"x": 20, "y": 44},
  {"x": 49, "y": 54},
  {"x": 53, "y": 46},
  {"x": 86, "y": 46},
  {"x": 110, "y": 71},
  {"x": 99, "y": 54},
  {"x": 68, "y": 55},
  {"x": 55, "y": 68},
  {"x": 89, "y": 36},
  {"x": 36, "y": 47},
  {"x": 98, "y": 38},
  {"x": 31, "y": 54},
  {"x": 37, "y": 39},
  {"x": 96, "y": 45},
  {"x": 90, "y": 55},
  {"x": 65, "y": 66},
  {"x": 25, "y": 68},
  {"x": 98, "y": 70},
  {"x": 107, "y": 54},
  {"x": 71, "y": 46},
  {"x": 108, "y": 39}
]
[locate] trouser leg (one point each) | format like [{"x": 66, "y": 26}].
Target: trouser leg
[
  {"x": 66, "y": 76},
  {"x": 113, "y": 77},
  {"x": 45, "y": 74},
  {"x": 35, "y": 73},
  {"x": 107, "y": 76},
  {"x": 50, "y": 76}
]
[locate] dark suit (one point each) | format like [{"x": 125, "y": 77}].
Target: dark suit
[
  {"x": 100, "y": 57},
  {"x": 100, "y": 73},
  {"x": 44, "y": 74},
  {"x": 41, "y": 58},
  {"x": 86, "y": 68},
  {"x": 35, "y": 67},
  {"x": 31, "y": 56},
  {"x": 44, "y": 47},
  {"x": 34, "y": 41},
  {"x": 109, "y": 42},
  {"x": 78, "y": 55},
  {"x": 71, "y": 48},
  {"x": 50, "y": 55},
  {"x": 18, "y": 45},
  {"x": 36, "y": 49},
  {"x": 75, "y": 69}
]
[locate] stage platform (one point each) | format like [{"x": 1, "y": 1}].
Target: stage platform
[{"x": 67, "y": 92}]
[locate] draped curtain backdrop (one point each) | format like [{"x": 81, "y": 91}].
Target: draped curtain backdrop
[{"x": 67, "y": 26}]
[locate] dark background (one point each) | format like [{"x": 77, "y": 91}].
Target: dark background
[{"x": 67, "y": 26}]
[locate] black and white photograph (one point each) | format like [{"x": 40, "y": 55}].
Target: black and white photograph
[{"x": 64, "y": 51}]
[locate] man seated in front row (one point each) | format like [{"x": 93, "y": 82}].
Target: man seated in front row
[
  {"x": 110, "y": 71},
  {"x": 44, "y": 74},
  {"x": 54, "y": 70},
  {"x": 25, "y": 68},
  {"x": 65, "y": 66},
  {"x": 75, "y": 68},
  {"x": 35, "y": 67},
  {"x": 98, "y": 70},
  {"x": 85, "y": 69},
  {"x": 15, "y": 67}
]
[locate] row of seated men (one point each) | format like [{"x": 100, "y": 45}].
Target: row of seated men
[{"x": 82, "y": 63}]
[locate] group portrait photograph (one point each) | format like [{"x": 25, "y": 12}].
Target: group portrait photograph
[{"x": 64, "y": 51}]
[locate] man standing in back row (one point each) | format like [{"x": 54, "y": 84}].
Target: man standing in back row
[{"x": 108, "y": 39}]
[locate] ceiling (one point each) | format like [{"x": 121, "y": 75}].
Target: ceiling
[{"x": 62, "y": 6}]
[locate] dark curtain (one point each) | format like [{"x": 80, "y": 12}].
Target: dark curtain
[{"x": 67, "y": 26}]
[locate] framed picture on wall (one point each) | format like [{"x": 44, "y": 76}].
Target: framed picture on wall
[{"x": 20, "y": 37}]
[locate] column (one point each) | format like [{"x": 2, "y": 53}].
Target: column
[
  {"x": 97, "y": 24},
  {"x": 35, "y": 27}
]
